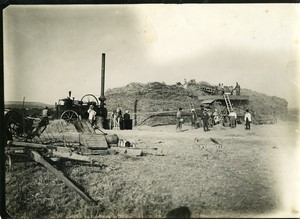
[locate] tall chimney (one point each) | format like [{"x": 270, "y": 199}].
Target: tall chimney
[{"x": 102, "y": 97}]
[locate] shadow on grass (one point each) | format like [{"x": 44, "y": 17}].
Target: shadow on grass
[{"x": 181, "y": 212}]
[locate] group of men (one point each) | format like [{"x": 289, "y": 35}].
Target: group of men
[
  {"x": 115, "y": 119},
  {"x": 210, "y": 119},
  {"x": 221, "y": 89}
]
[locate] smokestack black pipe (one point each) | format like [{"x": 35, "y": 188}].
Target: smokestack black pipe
[{"x": 102, "y": 97}]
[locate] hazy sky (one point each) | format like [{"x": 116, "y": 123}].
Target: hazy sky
[{"x": 49, "y": 50}]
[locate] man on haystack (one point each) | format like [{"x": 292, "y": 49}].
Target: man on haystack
[{"x": 237, "y": 89}]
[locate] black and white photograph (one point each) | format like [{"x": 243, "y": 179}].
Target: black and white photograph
[{"x": 151, "y": 110}]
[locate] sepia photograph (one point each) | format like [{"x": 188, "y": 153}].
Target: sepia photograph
[{"x": 152, "y": 110}]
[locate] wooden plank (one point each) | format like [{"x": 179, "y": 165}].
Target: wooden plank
[
  {"x": 87, "y": 127},
  {"x": 38, "y": 158},
  {"x": 128, "y": 151},
  {"x": 15, "y": 150},
  {"x": 72, "y": 156},
  {"x": 145, "y": 151},
  {"x": 95, "y": 141},
  {"x": 31, "y": 145},
  {"x": 86, "y": 151}
]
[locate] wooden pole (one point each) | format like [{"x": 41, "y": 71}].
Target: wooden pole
[{"x": 38, "y": 158}]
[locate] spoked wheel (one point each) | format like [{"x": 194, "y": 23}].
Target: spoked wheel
[
  {"x": 69, "y": 116},
  {"x": 89, "y": 99},
  {"x": 14, "y": 123},
  {"x": 36, "y": 132}
]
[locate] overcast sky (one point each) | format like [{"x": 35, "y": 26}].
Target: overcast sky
[{"x": 49, "y": 50}]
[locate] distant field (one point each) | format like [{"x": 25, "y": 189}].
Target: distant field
[{"x": 19, "y": 104}]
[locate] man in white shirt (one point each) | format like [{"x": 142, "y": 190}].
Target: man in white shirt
[
  {"x": 247, "y": 119},
  {"x": 233, "y": 117},
  {"x": 92, "y": 115},
  {"x": 179, "y": 120},
  {"x": 45, "y": 116}
]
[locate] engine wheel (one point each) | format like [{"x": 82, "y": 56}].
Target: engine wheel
[
  {"x": 14, "y": 123},
  {"x": 69, "y": 116},
  {"x": 89, "y": 99}
]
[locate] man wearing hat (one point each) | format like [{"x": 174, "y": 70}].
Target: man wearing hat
[
  {"x": 205, "y": 118},
  {"x": 127, "y": 122},
  {"x": 247, "y": 119},
  {"x": 193, "y": 118},
  {"x": 126, "y": 115},
  {"x": 92, "y": 115},
  {"x": 45, "y": 115},
  {"x": 233, "y": 116},
  {"x": 179, "y": 120}
]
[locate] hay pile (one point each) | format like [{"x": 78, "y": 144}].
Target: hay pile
[
  {"x": 146, "y": 100},
  {"x": 149, "y": 99}
]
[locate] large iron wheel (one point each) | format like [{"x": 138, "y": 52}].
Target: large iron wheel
[
  {"x": 14, "y": 123},
  {"x": 69, "y": 116},
  {"x": 89, "y": 99}
]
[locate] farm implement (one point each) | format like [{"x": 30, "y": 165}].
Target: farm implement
[
  {"x": 23, "y": 127},
  {"x": 45, "y": 155},
  {"x": 48, "y": 145}
]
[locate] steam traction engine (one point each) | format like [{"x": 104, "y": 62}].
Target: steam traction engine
[{"x": 72, "y": 110}]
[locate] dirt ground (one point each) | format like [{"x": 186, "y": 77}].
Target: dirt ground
[{"x": 256, "y": 173}]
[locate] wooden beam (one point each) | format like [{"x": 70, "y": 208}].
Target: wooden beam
[
  {"x": 38, "y": 158},
  {"x": 30, "y": 145},
  {"x": 72, "y": 156},
  {"x": 128, "y": 151}
]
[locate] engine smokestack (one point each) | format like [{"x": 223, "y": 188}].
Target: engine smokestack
[{"x": 102, "y": 97}]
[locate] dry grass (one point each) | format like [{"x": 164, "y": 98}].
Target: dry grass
[{"x": 239, "y": 179}]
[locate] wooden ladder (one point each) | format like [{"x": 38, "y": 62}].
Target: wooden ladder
[{"x": 228, "y": 103}]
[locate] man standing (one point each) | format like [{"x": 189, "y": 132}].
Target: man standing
[
  {"x": 179, "y": 120},
  {"x": 92, "y": 115},
  {"x": 237, "y": 89},
  {"x": 247, "y": 119},
  {"x": 216, "y": 117},
  {"x": 193, "y": 118},
  {"x": 45, "y": 115},
  {"x": 126, "y": 121},
  {"x": 205, "y": 118},
  {"x": 233, "y": 117}
]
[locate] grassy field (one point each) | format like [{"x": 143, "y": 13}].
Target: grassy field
[{"x": 254, "y": 174}]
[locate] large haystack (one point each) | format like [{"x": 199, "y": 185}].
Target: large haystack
[{"x": 156, "y": 103}]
